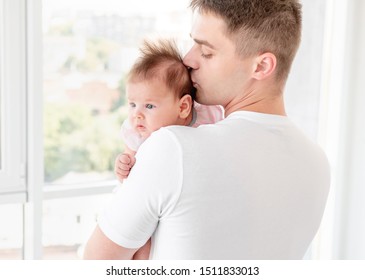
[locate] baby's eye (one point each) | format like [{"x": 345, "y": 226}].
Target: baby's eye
[
  {"x": 132, "y": 105},
  {"x": 150, "y": 106}
]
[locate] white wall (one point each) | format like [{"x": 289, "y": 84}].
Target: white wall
[
  {"x": 303, "y": 89},
  {"x": 325, "y": 96},
  {"x": 341, "y": 131},
  {"x": 351, "y": 172}
]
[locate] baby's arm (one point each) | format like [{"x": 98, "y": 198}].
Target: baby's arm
[{"x": 124, "y": 163}]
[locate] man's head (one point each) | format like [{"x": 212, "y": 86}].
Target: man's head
[
  {"x": 260, "y": 26},
  {"x": 243, "y": 49},
  {"x": 159, "y": 89}
]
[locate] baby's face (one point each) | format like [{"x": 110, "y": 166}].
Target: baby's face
[{"x": 151, "y": 106}]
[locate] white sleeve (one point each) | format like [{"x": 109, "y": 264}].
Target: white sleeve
[{"x": 148, "y": 195}]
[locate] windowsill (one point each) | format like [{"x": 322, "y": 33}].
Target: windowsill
[
  {"x": 74, "y": 190},
  {"x": 12, "y": 198}
]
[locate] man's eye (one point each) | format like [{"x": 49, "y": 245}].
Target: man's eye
[
  {"x": 150, "y": 106},
  {"x": 206, "y": 55}
]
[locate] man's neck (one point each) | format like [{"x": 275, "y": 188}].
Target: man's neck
[
  {"x": 267, "y": 102},
  {"x": 261, "y": 107}
]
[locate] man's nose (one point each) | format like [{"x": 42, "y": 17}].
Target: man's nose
[{"x": 189, "y": 60}]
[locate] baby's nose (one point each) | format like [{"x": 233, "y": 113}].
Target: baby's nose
[{"x": 138, "y": 115}]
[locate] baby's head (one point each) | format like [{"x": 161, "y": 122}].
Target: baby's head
[{"x": 159, "y": 89}]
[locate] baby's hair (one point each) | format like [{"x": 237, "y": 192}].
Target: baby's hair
[{"x": 162, "y": 60}]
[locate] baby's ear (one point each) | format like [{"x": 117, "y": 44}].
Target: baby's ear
[{"x": 186, "y": 103}]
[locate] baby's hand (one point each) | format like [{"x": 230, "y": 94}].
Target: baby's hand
[{"x": 123, "y": 164}]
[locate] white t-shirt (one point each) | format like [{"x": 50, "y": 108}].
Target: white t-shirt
[
  {"x": 249, "y": 187},
  {"x": 202, "y": 114}
]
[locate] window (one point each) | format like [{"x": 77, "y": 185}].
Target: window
[
  {"x": 75, "y": 217},
  {"x": 88, "y": 47},
  {"x": 11, "y": 233},
  {"x": 12, "y": 127}
]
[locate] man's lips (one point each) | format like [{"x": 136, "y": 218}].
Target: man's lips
[
  {"x": 194, "y": 80},
  {"x": 196, "y": 86}
]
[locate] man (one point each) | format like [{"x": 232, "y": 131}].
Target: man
[{"x": 249, "y": 187}]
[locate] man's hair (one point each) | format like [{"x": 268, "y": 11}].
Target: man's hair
[
  {"x": 162, "y": 60},
  {"x": 259, "y": 26}
]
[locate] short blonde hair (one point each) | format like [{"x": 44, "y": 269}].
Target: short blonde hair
[
  {"x": 162, "y": 60},
  {"x": 259, "y": 26}
]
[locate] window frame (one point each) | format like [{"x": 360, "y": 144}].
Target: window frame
[
  {"x": 37, "y": 191},
  {"x": 12, "y": 91}
]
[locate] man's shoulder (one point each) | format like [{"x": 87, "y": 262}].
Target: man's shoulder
[
  {"x": 173, "y": 132},
  {"x": 169, "y": 133},
  {"x": 161, "y": 140},
  {"x": 169, "y": 138},
  {"x": 186, "y": 134}
]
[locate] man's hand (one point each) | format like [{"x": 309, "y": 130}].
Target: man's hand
[{"x": 123, "y": 164}]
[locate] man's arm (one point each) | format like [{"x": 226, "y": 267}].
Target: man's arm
[
  {"x": 151, "y": 192},
  {"x": 100, "y": 247}
]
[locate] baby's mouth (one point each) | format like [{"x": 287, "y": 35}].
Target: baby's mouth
[{"x": 140, "y": 127}]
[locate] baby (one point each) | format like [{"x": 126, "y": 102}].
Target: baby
[{"x": 160, "y": 93}]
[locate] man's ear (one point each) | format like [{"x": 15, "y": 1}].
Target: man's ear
[
  {"x": 265, "y": 66},
  {"x": 185, "y": 104}
]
